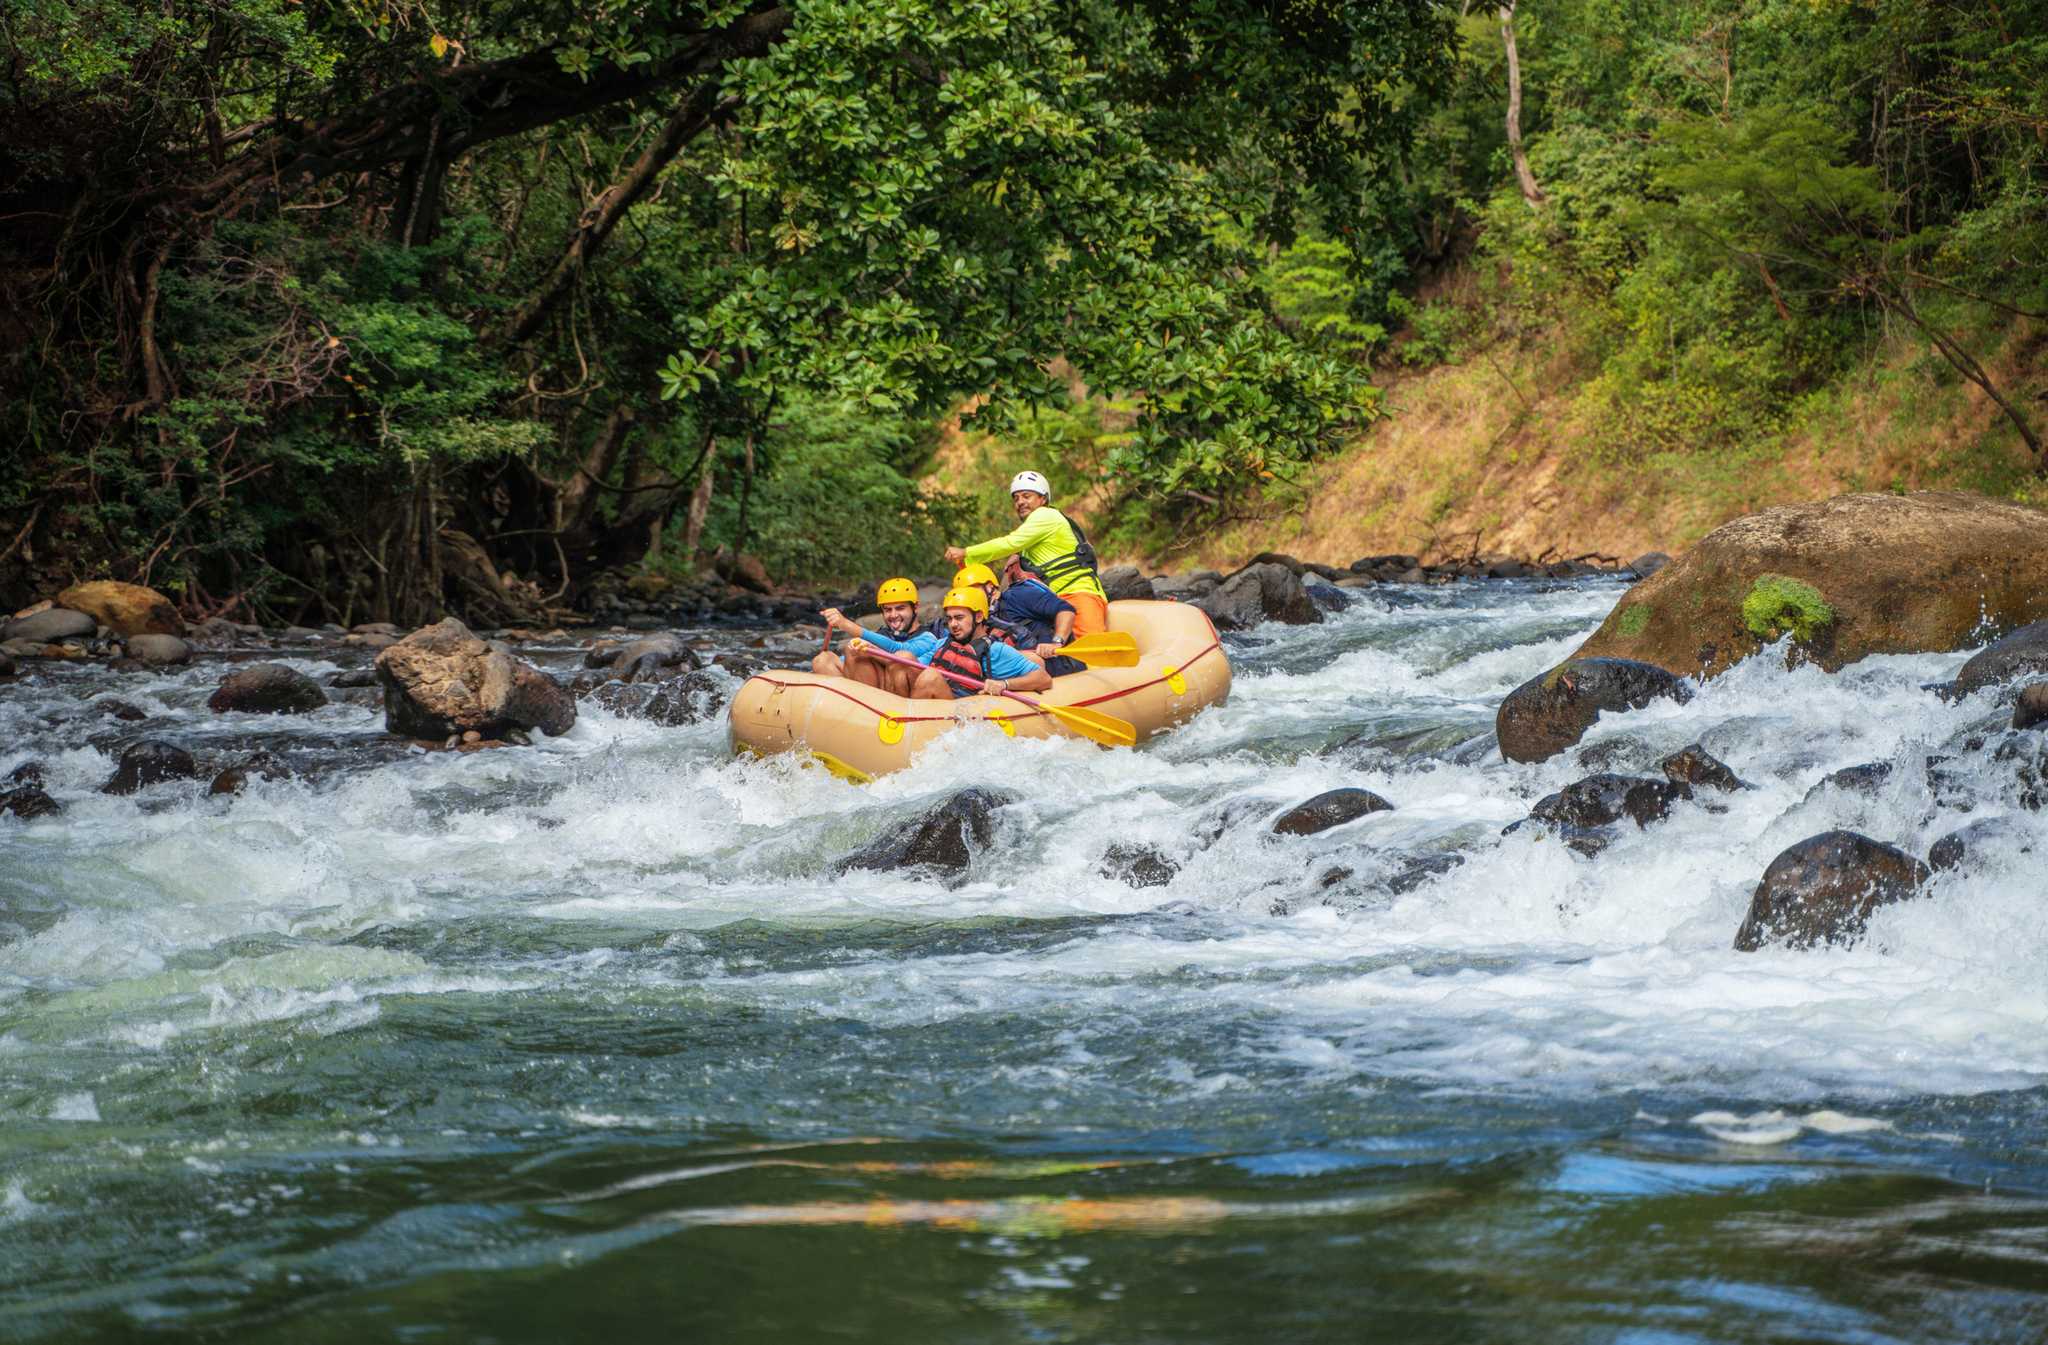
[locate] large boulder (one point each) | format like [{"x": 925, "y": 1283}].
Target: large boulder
[
  {"x": 1823, "y": 889},
  {"x": 1841, "y": 579},
  {"x": 125, "y": 609},
  {"x": 147, "y": 763},
  {"x": 1331, "y": 808},
  {"x": 441, "y": 680},
  {"x": 944, "y": 839},
  {"x": 266, "y": 689},
  {"x": 1267, "y": 591},
  {"x": 1598, "y": 800},
  {"x": 1549, "y": 713},
  {"x": 2024, "y": 653},
  {"x": 52, "y": 625}
]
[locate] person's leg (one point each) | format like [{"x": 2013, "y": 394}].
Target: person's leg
[
  {"x": 929, "y": 686},
  {"x": 827, "y": 664},
  {"x": 897, "y": 679},
  {"x": 1091, "y": 612},
  {"x": 867, "y": 671}
]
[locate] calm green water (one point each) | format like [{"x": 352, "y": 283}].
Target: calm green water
[{"x": 589, "y": 1042}]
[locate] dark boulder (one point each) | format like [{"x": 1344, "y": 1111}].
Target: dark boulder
[
  {"x": 29, "y": 802},
  {"x": 120, "y": 709},
  {"x": 1648, "y": 563},
  {"x": 1598, "y": 800},
  {"x": 266, "y": 689},
  {"x": 1694, "y": 765},
  {"x": 1823, "y": 889},
  {"x": 1332, "y": 808},
  {"x": 52, "y": 625},
  {"x": 681, "y": 700},
  {"x": 1325, "y": 594},
  {"x": 1865, "y": 779},
  {"x": 1416, "y": 870},
  {"x": 1547, "y": 714},
  {"x": 2024, "y": 653},
  {"x": 1385, "y": 567},
  {"x": 29, "y": 773},
  {"x": 1968, "y": 843},
  {"x": 1623, "y": 754},
  {"x": 1260, "y": 593},
  {"x": 1212, "y": 824},
  {"x": 943, "y": 839},
  {"x": 1187, "y": 587},
  {"x": 147, "y": 763},
  {"x": 1138, "y": 865},
  {"x": 351, "y": 679},
  {"x": 2031, "y": 710},
  {"x": 1588, "y": 841},
  {"x": 644, "y": 659},
  {"x": 1125, "y": 582}
]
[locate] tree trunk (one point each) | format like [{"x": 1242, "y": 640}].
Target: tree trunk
[
  {"x": 576, "y": 498},
  {"x": 700, "y": 504},
  {"x": 746, "y": 490},
  {"x": 1531, "y": 193}
]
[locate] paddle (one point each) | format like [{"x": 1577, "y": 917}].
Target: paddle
[
  {"x": 1090, "y": 724},
  {"x": 1106, "y": 649}
]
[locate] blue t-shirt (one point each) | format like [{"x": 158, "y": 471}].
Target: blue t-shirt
[
  {"x": 1002, "y": 661},
  {"x": 918, "y": 646},
  {"x": 1030, "y": 608}
]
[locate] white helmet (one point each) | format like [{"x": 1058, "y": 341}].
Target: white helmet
[{"x": 1031, "y": 481}]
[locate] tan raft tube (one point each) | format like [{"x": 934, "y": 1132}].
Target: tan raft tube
[{"x": 860, "y": 732}]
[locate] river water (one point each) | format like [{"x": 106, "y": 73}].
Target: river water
[{"x": 588, "y": 1041}]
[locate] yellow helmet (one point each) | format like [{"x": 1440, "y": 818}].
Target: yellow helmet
[
  {"x": 973, "y": 599},
  {"x": 896, "y": 590},
  {"x": 976, "y": 573}
]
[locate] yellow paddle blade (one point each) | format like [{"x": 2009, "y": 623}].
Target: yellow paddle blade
[
  {"x": 1093, "y": 724},
  {"x": 1109, "y": 649}
]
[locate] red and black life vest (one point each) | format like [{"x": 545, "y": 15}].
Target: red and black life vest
[{"x": 969, "y": 659}]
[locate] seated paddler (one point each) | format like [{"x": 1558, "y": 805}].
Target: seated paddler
[
  {"x": 899, "y": 634},
  {"x": 1053, "y": 546},
  {"x": 1025, "y": 614},
  {"x": 969, "y": 651}
]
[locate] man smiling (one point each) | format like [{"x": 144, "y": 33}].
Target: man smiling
[{"x": 1053, "y": 546}]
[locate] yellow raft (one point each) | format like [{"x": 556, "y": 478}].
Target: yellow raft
[{"x": 860, "y": 732}]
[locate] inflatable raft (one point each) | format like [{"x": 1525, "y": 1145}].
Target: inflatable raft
[{"x": 860, "y": 732}]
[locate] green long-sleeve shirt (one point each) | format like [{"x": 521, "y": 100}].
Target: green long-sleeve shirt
[{"x": 1043, "y": 536}]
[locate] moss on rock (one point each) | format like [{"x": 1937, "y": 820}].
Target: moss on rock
[
  {"x": 1776, "y": 605},
  {"x": 1634, "y": 620}
]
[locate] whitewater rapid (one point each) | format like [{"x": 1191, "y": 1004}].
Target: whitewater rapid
[{"x": 627, "y": 933}]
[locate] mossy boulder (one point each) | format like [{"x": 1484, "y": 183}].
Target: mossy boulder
[{"x": 1838, "y": 580}]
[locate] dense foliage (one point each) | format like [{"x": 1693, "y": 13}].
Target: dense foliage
[{"x": 364, "y": 306}]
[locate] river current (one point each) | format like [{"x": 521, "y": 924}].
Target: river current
[{"x": 589, "y": 1040}]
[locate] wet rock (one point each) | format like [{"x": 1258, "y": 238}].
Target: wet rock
[
  {"x": 1124, "y": 582},
  {"x": 29, "y": 773},
  {"x": 1187, "y": 587},
  {"x": 376, "y": 628},
  {"x": 125, "y": 609},
  {"x": 2023, "y": 653},
  {"x": 1622, "y": 755},
  {"x": 29, "y": 802},
  {"x": 159, "y": 650},
  {"x": 681, "y": 700},
  {"x": 7, "y": 668},
  {"x": 375, "y": 641},
  {"x": 52, "y": 625},
  {"x": 266, "y": 689},
  {"x": 1839, "y": 580},
  {"x": 1416, "y": 870},
  {"x": 1259, "y": 593},
  {"x": 1588, "y": 841},
  {"x": 1648, "y": 563},
  {"x": 1865, "y": 779},
  {"x": 1332, "y": 808},
  {"x": 120, "y": 709},
  {"x": 1325, "y": 594},
  {"x": 944, "y": 839},
  {"x": 644, "y": 658},
  {"x": 352, "y": 678},
  {"x": 1694, "y": 765},
  {"x": 1547, "y": 714},
  {"x": 1823, "y": 889},
  {"x": 1966, "y": 846},
  {"x": 150, "y": 762},
  {"x": 1384, "y": 567},
  {"x": 1139, "y": 865},
  {"x": 741, "y": 665},
  {"x": 1218, "y": 820},
  {"x": 1599, "y": 800},
  {"x": 442, "y": 680},
  {"x": 259, "y": 765},
  {"x": 2031, "y": 710}
]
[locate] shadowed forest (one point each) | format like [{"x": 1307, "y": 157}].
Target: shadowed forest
[{"x": 362, "y": 311}]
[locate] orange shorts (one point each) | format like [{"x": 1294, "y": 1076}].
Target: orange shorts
[{"x": 1091, "y": 612}]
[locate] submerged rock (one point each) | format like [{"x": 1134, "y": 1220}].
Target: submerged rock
[
  {"x": 688, "y": 699},
  {"x": 1264, "y": 592},
  {"x": 267, "y": 689},
  {"x": 29, "y": 802},
  {"x": 113, "y": 708},
  {"x": 1588, "y": 841},
  {"x": 1694, "y": 765},
  {"x": 1840, "y": 579},
  {"x": 442, "y": 681},
  {"x": 2024, "y": 653},
  {"x": 125, "y": 609},
  {"x": 2031, "y": 710},
  {"x": 1865, "y": 779},
  {"x": 1823, "y": 889},
  {"x": 150, "y": 762},
  {"x": 261, "y": 765},
  {"x": 1547, "y": 714},
  {"x": 1332, "y": 808},
  {"x": 1138, "y": 865},
  {"x": 943, "y": 839},
  {"x": 1967, "y": 844},
  {"x": 1598, "y": 800}
]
